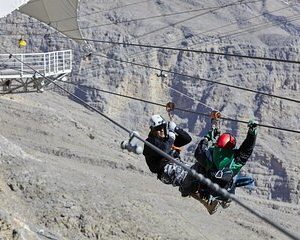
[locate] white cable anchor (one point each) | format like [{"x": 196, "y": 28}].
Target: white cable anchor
[{"x": 134, "y": 144}]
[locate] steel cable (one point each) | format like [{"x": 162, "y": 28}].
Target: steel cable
[
  {"x": 176, "y": 108},
  {"x": 188, "y": 50},
  {"x": 201, "y": 79}
]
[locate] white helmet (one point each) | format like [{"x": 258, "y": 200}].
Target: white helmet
[{"x": 156, "y": 120}]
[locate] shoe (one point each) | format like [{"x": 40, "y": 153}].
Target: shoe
[
  {"x": 225, "y": 204},
  {"x": 211, "y": 205},
  {"x": 183, "y": 192}
]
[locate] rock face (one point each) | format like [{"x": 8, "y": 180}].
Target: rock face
[{"x": 64, "y": 165}]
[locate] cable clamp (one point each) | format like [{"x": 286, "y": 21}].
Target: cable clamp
[{"x": 133, "y": 144}]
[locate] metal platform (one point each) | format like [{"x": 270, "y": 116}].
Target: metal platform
[{"x": 17, "y": 75}]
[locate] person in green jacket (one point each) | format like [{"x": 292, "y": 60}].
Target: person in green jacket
[{"x": 219, "y": 160}]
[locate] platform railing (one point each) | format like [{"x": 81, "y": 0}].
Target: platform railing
[{"x": 48, "y": 64}]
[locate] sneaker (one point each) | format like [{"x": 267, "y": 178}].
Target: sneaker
[
  {"x": 183, "y": 192},
  {"x": 212, "y": 207},
  {"x": 225, "y": 204}
]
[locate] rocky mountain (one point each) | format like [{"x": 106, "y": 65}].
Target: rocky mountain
[{"x": 63, "y": 175}]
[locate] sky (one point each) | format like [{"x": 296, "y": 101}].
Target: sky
[{"x": 6, "y": 7}]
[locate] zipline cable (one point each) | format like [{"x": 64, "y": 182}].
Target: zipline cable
[
  {"x": 224, "y": 117},
  {"x": 79, "y": 86},
  {"x": 163, "y": 15},
  {"x": 96, "y": 68},
  {"x": 202, "y": 79},
  {"x": 231, "y": 24},
  {"x": 103, "y": 10},
  {"x": 148, "y": 18},
  {"x": 188, "y": 50},
  {"x": 139, "y": 19},
  {"x": 194, "y": 99},
  {"x": 186, "y": 19},
  {"x": 206, "y": 52},
  {"x": 211, "y": 30},
  {"x": 226, "y": 35},
  {"x": 199, "y": 78},
  {"x": 167, "y": 85},
  {"x": 257, "y": 27},
  {"x": 213, "y": 186},
  {"x": 151, "y": 17},
  {"x": 80, "y": 16},
  {"x": 191, "y": 50}
]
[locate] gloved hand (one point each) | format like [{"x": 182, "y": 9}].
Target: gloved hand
[
  {"x": 204, "y": 144},
  {"x": 171, "y": 129},
  {"x": 252, "y": 125},
  {"x": 213, "y": 134},
  {"x": 172, "y": 135},
  {"x": 171, "y": 126}
]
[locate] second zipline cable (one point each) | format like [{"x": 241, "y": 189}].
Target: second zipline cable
[
  {"x": 201, "y": 79},
  {"x": 79, "y": 86}
]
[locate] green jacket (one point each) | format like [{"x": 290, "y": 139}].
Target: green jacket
[
  {"x": 225, "y": 158},
  {"x": 214, "y": 159}
]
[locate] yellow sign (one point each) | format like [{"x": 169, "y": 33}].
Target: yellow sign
[{"x": 22, "y": 43}]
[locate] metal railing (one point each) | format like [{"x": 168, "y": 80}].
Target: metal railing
[{"x": 48, "y": 64}]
